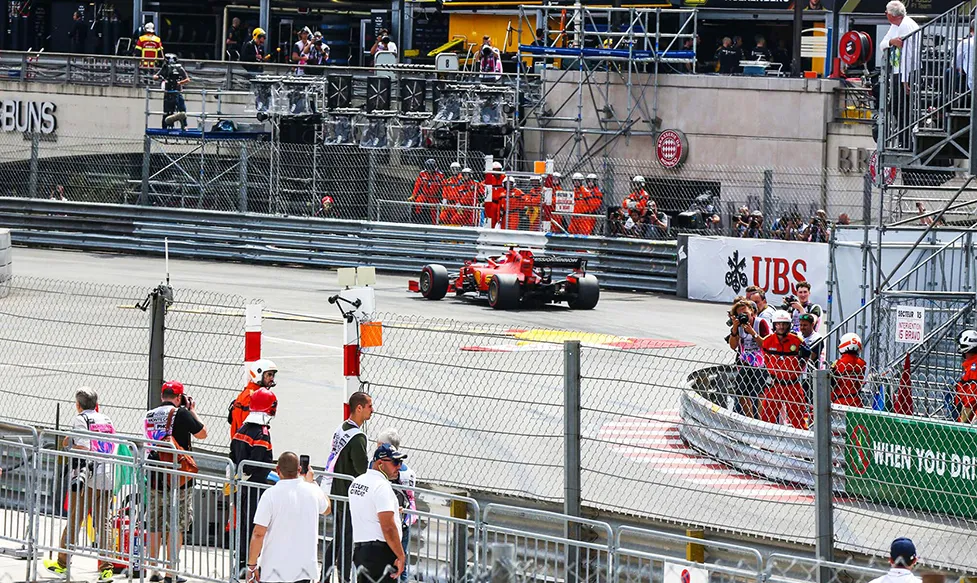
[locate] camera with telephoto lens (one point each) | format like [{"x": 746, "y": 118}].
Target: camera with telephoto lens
[
  {"x": 743, "y": 319},
  {"x": 186, "y": 401},
  {"x": 788, "y": 301}
]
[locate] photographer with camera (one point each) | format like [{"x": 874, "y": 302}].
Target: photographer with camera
[
  {"x": 90, "y": 486},
  {"x": 801, "y": 304},
  {"x": 746, "y": 334},
  {"x": 175, "y": 418},
  {"x": 818, "y": 230},
  {"x": 754, "y": 226},
  {"x": 284, "y": 545},
  {"x": 174, "y": 77},
  {"x": 764, "y": 311}
]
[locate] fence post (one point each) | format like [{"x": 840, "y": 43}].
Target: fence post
[
  {"x": 459, "y": 548},
  {"x": 371, "y": 187},
  {"x": 571, "y": 448},
  {"x": 823, "y": 487},
  {"x": 147, "y": 153},
  {"x": 242, "y": 177},
  {"x": 157, "y": 327},
  {"x": 867, "y": 198},
  {"x": 767, "y": 202},
  {"x": 34, "y": 165}
]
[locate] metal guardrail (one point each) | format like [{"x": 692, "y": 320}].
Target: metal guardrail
[{"x": 626, "y": 264}]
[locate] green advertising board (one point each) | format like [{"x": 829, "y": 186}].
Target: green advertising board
[{"x": 912, "y": 462}]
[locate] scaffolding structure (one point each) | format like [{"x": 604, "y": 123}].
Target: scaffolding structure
[
  {"x": 204, "y": 164},
  {"x": 594, "y": 50}
]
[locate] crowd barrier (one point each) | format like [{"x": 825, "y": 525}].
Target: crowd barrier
[
  {"x": 121, "y": 508},
  {"x": 6, "y": 258},
  {"x": 403, "y": 248}
]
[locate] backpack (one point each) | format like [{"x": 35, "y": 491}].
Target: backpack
[{"x": 184, "y": 461}]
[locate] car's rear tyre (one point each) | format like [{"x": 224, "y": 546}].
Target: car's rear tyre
[
  {"x": 586, "y": 295},
  {"x": 503, "y": 291},
  {"x": 434, "y": 281}
]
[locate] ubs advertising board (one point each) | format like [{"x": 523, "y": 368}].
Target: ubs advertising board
[{"x": 721, "y": 268}]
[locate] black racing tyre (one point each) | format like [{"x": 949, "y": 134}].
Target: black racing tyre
[
  {"x": 504, "y": 292},
  {"x": 434, "y": 281},
  {"x": 586, "y": 294}
]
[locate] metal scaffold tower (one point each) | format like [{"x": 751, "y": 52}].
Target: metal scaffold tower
[{"x": 592, "y": 74}]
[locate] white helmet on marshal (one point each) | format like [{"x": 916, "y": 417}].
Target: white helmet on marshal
[
  {"x": 149, "y": 27},
  {"x": 577, "y": 176},
  {"x": 967, "y": 341},
  {"x": 781, "y": 316},
  {"x": 639, "y": 179},
  {"x": 257, "y": 370},
  {"x": 455, "y": 166},
  {"x": 850, "y": 343},
  {"x": 496, "y": 166}
]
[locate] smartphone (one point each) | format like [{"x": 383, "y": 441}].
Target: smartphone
[{"x": 303, "y": 464}]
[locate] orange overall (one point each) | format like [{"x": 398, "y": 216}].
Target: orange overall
[
  {"x": 780, "y": 356},
  {"x": 848, "y": 373}
]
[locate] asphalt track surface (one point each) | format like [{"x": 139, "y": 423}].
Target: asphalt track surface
[{"x": 495, "y": 395}]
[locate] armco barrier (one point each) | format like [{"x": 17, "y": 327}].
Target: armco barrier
[
  {"x": 627, "y": 264},
  {"x": 777, "y": 452}
]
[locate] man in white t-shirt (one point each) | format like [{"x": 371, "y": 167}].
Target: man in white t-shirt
[
  {"x": 286, "y": 527},
  {"x": 965, "y": 50},
  {"x": 899, "y": 47},
  {"x": 375, "y": 511}
]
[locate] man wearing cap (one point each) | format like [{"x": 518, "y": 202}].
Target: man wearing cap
[
  {"x": 902, "y": 557},
  {"x": 301, "y": 49},
  {"x": 375, "y": 511}
]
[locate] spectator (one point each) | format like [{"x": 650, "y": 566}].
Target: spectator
[
  {"x": 383, "y": 44},
  {"x": 301, "y": 49},
  {"x": 754, "y": 228},
  {"x": 925, "y": 218},
  {"x": 844, "y": 219},
  {"x": 90, "y": 485},
  {"x": 764, "y": 311},
  {"x": 818, "y": 230},
  {"x": 487, "y": 42},
  {"x": 741, "y": 220},
  {"x": 901, "y": 53},
  {"x": 261, "y": 374},
  {"x": 490, "y": 64},
  {"x": 654, "y": 223},
  {"x": 814, "y": 5},
  {"x": 738, "y": 44},
  {"x": 813, "y": 350},
  {"x": 318, "y": 54},
  {"x": 781, "y": 357},
  {"x": 902, "y": 558},
  {"x": 252, "y": 443},
  {"x": 962, "y": 69},
  {"x": 376, "y": 519},
  {"x": 690, "y": 45},
  {"x": 327, "y": 208},
  {"x": 254, "y": 51},
  {"x": 408, "y": 479},
  {"x": 347, "y": 456},
  {"x": 729, "y": 58},
  {"x": 746, "y": 334},
  {"x": 149, "y": 47},
  {"x": 760, "y": 52},
  {"x": 966, "y": 389},
  {"x": 787, "y": 227},
  {"x": 234, "y": 41},
  {"x": 286, "y": 527},
  {"x": 78, "y": 33},
  {"x": 848, "y": 372},
  {"x": 57, "y": 193},
  {"x": 177, "y": 418},
  {"x": 802, "y": 304}
]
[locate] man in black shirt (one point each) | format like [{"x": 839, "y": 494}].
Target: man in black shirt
[
  {"x": 235, "y": 39},
  {"x": 760, "y": 52},
  {"x": 253, "y": 52},
  {"x": 176, "y": 417},
  {"x": 78, "y": 34},
  {"x": 729, "y": 57}
]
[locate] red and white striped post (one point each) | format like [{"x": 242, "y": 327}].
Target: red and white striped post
[
  {"x": 356, "y": 283},
  {"x": 351, "y": 362},
  {"x": 252, "y": 333}
]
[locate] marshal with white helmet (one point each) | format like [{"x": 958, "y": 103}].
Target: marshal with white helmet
[
  {"x": 966, "y": 389},
  {"x": 848, "y": 372},
  {"x": 261, "y": 375}
]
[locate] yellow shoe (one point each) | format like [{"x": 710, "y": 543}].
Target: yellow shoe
[
  {"x": 54, "y": 567},
  {"x": 106, "y": 575}
]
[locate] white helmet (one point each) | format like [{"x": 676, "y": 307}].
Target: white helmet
[
  {"x": 535, "y": 178},
  {"x": 850, "y": 343},
  {"x": 455, "y": 166},
  {"x": 639, "y": 179},
  {"x": 509, "y": 180},
  {"x": 557, "y": 175},
  {"x": 781, "y": 316},
  {"x": 466, "y": 171},
  {"x": 577, "y": 176},
  {"x": 257, "y": 370},
  {"x": 496, "y": 166},
  {"x": 149, "y": 27},
  {"x": 967, "y": 341},
  {"x": 591, "y": 176}
]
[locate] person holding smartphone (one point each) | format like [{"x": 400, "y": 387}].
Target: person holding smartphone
[
  {"x": 252, "y": 443},
  {"x": 286, "y": 526}
]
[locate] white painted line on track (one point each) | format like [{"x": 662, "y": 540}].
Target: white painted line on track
[{"x": 300, "y": 342}]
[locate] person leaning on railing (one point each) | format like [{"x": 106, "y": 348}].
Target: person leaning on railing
[
  {"x": 90, "y": 484},
  {"x": 901, "y": 53}
]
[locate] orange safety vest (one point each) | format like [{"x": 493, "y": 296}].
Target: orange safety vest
[
  {"x": 240, "y": 407},
  {"x": 150, "y": 47},
  {"x": 782, "y": 359},
  {"x": 849, "y": 374}
]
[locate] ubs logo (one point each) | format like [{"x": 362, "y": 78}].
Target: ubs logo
[{"x": 736, "y": 276}]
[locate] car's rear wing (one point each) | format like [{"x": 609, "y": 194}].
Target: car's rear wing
[{"x": 578, "y": 263}]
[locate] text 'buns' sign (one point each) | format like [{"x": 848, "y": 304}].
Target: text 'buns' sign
[{"x": 721, "y": 268}]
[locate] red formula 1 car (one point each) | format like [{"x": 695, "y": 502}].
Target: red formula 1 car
[{"x": 518, "y": 278}]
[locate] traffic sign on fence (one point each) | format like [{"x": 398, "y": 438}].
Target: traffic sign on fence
[{"x": 912, "y": 462}]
